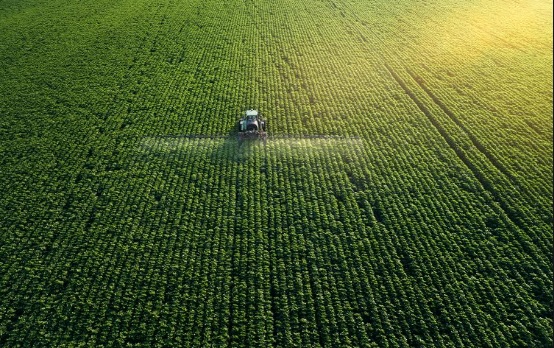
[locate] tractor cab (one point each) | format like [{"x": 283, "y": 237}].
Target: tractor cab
[{"x": 250, "y": 122}]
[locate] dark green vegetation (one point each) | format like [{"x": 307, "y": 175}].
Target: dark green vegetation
[{"x": 432, "y": 228}]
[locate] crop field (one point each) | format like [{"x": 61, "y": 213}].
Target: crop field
[{"x": 403, "y": 198}]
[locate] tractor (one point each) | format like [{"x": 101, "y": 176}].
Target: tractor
[{"x": 252, "y": 126}]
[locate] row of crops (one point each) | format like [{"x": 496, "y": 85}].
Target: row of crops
[{"x": 423, "y": 219}]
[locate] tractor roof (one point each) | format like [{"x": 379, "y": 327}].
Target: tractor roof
[{"x": 251, "y": 112}]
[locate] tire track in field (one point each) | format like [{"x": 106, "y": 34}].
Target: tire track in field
[
  {"x": 485, "y": 183},
  {"x": 527, "y": 192},
  {"x": 493, "y": 160}
]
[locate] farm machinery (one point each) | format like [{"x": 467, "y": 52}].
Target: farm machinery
[{"x": 252, "y": 126}]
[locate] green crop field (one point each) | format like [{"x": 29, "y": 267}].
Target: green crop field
[{"x": 403, "y": 198}]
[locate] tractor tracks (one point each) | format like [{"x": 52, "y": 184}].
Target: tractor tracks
[
  {"x": 513, "y": 215},
  {"x": 456, "y": 120}
]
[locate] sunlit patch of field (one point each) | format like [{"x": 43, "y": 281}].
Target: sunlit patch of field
[{"x": 479, "y": 29}]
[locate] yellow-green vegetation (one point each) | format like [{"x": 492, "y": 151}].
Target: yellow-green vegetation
[{"x": 423, "y": 220}]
